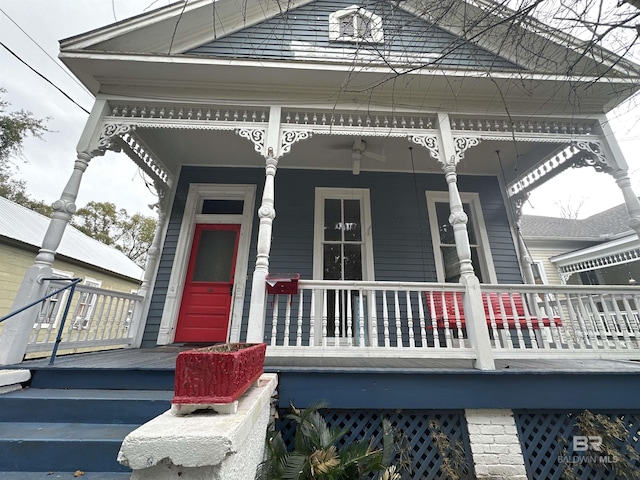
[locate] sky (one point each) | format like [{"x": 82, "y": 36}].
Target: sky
[{"x": 48, "y": 162}]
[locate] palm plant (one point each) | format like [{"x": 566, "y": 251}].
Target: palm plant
[{"x": 316, "y": 454}]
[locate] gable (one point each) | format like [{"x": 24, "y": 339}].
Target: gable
[{"x": 303, "y": 34}]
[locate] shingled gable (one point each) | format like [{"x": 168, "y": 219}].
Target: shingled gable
[{"x": 161, "y": 45}]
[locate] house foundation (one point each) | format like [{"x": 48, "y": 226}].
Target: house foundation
[{"x": 495, "y": 446}]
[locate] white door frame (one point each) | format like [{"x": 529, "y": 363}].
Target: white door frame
[{"x": 198, "y": 192}]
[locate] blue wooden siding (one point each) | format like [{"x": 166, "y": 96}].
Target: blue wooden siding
[
  {"x": 402, "y": 244},
  {"x": 303, "y": 34}
]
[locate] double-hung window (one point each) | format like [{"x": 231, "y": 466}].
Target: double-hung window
[
  {"x": 444, "y": 245},
  {"x": 342, "y": 251}
]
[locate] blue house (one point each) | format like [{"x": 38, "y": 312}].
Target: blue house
[{"x": 387, "y": 148}]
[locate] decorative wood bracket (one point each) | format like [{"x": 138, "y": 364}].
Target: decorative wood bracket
[
  {"x": 462, "y": 144},
  {"x": 430, "y": 142},
  {"x": 255, "y": 135},
  {"x": 109, "y": 132},
  {"x": 594, "y": 157},
  {"x": 289, "y": 137}
]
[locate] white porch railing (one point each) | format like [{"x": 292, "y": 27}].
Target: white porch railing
[
  {"x": 362, "y": 318},
  {"x": 427, "y": 320},
  {"x": 564, "y": 321},
  {"x": 97, "y": 319}
]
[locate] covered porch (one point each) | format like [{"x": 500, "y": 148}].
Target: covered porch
[{"x": 403, "y": 227}]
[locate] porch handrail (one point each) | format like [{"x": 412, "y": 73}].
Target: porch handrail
[{"x": 71, "y": 287}]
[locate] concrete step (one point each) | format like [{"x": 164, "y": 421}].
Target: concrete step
[
  {"x": 104, "y": 379},
  {"x": 65, "y": 476},
  {"x": 61, "y": 447},
  {"x": 81, "y": 405}
]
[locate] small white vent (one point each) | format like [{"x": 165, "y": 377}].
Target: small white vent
[{"x": 355, "y": 24}]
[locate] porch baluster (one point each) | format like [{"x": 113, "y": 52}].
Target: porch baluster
[
  {"x": 492, "y": 320},
  {"x": 423, "y": 328},
  {"x": 312, "y": 318},
  {"x": 274, "y": 320},
  {"x": 445, "y": 318},
  {"x": 434, "y": 321},
  {"x": 516, "y": 319},
  {"x": 614, "y": 322},
  {"x": 325, "y": 300},
  {"x": 361, "y": 324},
  {"x": 632, "y": 319},
  {"x": 528, "y": 322},
  {"x": 603, "y": 321},
  {"x": 349, "y": 320},
  {"x": 385, "y": 319},
  {"x": 299, "y": 325},
  {"x": 457, "y": 310},
  {"x": 336, "y": 317},
  {"x": 412, "y": 342},
  {"x": 621, "y": 321},
  {"x": 287, "y": 320},
  {"x": 373, "y": 316},
  {"x": 399, "y": 340}
]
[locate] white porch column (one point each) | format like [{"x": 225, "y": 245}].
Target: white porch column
[
  {"x": 15, "y": 334},
  {"x": 473, "y": 306},
  {"x": 151, "y": 267},
  {"x": 266, "y": 212},
  {"x": 630, "y": 199}
]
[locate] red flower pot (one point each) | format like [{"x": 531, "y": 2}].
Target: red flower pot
[{"x": 217, "y": 374}]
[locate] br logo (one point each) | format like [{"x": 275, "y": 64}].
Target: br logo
[{"x": 583, "y": 443}]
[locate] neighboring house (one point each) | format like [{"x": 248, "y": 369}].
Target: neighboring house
[
  {"x": 386, "y": 152},
  {"x": 103, "y": 270},
  {"x": 598, "y": 250}
]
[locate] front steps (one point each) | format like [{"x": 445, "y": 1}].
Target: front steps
[{"x": 76, "y": 419}]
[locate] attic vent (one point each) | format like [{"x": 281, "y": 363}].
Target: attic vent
[{"x": 355, "y": 24}]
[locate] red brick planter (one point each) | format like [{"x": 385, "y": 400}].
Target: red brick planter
[{"x": 217, "y": 374}]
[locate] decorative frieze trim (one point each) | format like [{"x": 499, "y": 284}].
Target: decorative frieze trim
[
  {"x": 255, "y": 135},
  {"x": 551, "y": 167},
  {"x": 289, "y": 137},
  {"x": 543, "y": 127},
  {"x": 510, "y": 137},
  {"x": 190, "y": 113},
  {"x": 382, "y": 120},
  {"x": 148, "y": 162},
  {"x": 620, "y": 258}
]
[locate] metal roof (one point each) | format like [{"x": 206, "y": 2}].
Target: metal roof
[{"x": 26, "y": 226}]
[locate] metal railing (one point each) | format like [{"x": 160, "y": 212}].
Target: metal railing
[
  {"x": 71, "y": 287},
  {"x": 429, "y": 320}
]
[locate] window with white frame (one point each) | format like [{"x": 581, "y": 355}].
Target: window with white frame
[
  {"x": 539, "y": 275},
  {"x": 342, "y": 247},
  {"x": 51, "y": 309},
  {"x": 86, "y": 304},
  {"x": 355, "y": 24},
  {"x": 444, "y": 245}
]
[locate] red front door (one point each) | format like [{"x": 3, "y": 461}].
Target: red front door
[{"x": 208, "y": 288}]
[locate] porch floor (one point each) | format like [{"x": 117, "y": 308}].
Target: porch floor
[{"x": 164, "y": 358}]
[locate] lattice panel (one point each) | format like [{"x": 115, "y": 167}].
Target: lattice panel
[
  {"x": 544, "y": 437},
  {"x": 414, "y": 424}
]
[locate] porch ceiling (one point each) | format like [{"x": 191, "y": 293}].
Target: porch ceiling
[{"x": 178, "y": 147}]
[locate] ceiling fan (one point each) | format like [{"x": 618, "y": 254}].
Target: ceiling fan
[{"x": 359, "y": 150}]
